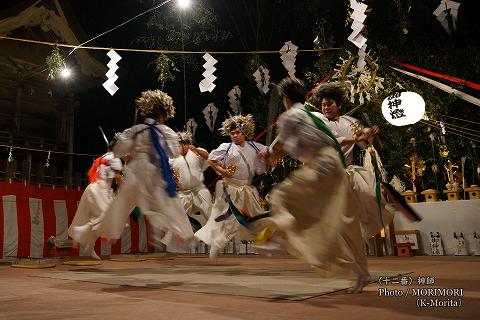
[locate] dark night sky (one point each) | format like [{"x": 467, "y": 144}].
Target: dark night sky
[{"x": 136, "y": 74}]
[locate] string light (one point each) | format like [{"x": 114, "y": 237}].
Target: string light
[
  {"x": 65, "y": 73},
  {"x": 10, "y": 157},
  {"x": 184, "y": 4},
  {"x": 47, "y": 164}
]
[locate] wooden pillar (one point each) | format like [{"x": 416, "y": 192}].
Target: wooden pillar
[
  {"x": 18, "y": 108},
  {"x": 70, "y": 134}
]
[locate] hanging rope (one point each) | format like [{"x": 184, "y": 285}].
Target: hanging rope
[
  {"x": 449, "y": 131},
  {"x": 455, "y": 130},
  {"x": 118, "y": 26},
  {"x": 459, "y": 119},
  {"x": 162, "y": 51},
  {"x": 49, "y": 151}
]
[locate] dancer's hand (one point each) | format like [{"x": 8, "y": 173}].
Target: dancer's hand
[
  {"x": 264, "y": 154},
  {"x": 223, "y": 172},
  {"x": 374, "y": 130}
]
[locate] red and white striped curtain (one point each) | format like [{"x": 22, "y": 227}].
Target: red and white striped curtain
[{"x": 30, "y": 215}]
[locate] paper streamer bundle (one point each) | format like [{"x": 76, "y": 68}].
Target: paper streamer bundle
[
  {"x": 358, "y": 17},
  {"x": 445, "y": 8},
  {"x": 110, "y": 85},
  {"x": 191, "y": 126},
  {"x": 210, "y": 114},
  {"x": 234, "y": 99},
  {"x": 288, "y": 54},
  {"x": 262, "y": 77},
  {"x": 207, "y": 83}
]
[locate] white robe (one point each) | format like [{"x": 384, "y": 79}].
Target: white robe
[
  {"x": 96, "y": 198},
  {"x": 243, "y": 195},
  {"x": 315, "y": 210},
  {"x": 374, "y": 216},
  {"x": 144, "y": 186},
  {"x": 342, "y": 129},
  {"x": 193, "y": 194}
]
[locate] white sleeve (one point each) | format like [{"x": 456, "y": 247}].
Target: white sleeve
[
  {"x": 219, "y": 153},
  {"x": 203, "y": 163},
  {"x": 124, "y": 143},
  {"x": 288, "y": 131},
  {"x": 260, "y": 165},
  {"x": 171, "y": 142}
]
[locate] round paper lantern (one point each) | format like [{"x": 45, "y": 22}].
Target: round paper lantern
[{"x": 403, "y": 108}]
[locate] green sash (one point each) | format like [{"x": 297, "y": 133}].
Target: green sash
[{"x": 322, "y": 127}]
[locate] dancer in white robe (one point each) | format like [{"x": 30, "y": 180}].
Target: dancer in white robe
[
  {"x": 376, "y": 213},
  {"x": 188, "y": 171},
  {"x": 314, "y": 210},
  {"x": 237, "y": 162},
  {"x": 148, "y": 182},
  {"x": 330, "y": 97},
  {"x": 95, "y": 200}
]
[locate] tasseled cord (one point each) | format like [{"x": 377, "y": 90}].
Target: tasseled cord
[
  {"x": 373, "y": 163},
  {"x": 368, "y": 164}
]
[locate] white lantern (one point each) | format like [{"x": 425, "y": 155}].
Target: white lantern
[{"x": 403, "y": 108}]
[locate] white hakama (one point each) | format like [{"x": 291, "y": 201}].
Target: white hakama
[
  {"x": 243, "y": 195},
  {"x": 144, "y": 185},
  {"x": 315, "y": 209}
]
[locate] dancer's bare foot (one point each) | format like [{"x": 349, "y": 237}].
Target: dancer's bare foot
[
  {"x": 94, "y": 255},
  {"x": 362, "y": 281},
  {"x": 213, "y": 253}
]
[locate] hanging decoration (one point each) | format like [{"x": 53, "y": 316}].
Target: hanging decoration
[
  {"x": 440, "y": 76},
  {"x": 110, "y": 85},
  {"x": 207, "y": 83},
  {"x": 288, "y": 54},
  {"x": 358, "y": 17},
  {"x": 210, "y": 114},
  {"x": 262, "y": 77},
  {"x": 434, "y": 166},
  {"x": 447, "y": 8},
  {"x": 403, "y": 108},
  {"x": 463, "y": 172},
  {"x": 10, "y": 156},
  {"x": 397, "y": 184},
  {"x": 47, "y": 163},
  {"x": 415, "y": 168},
  {"x": 321, "y": 40},
  {"x": 450, "y": 168},
  {"x": 164, "y": 67},
  {"x": 441, "y": 86},
  {"x": 362, "y": 83},
  {"x": 234, "y": 96},
  {"x": 443, "y": 150},
  {"x": 55, "y": 63},
  {"x": 191, "y": 126}
]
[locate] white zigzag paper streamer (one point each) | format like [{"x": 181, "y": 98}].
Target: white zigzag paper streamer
[
  {"x": 358, "y": 16},
  {"x": 288, "y": 54},
  {"x": 191, "y": 126},
  {"x": 234, "y": 99},
  {"x": 262, "y": 77},
  {"x": 210, "y": 113},
  {"x": 207, "y": 83},
  {"x": 110, "y": 85},
  {"x": 445, "y": 8}
]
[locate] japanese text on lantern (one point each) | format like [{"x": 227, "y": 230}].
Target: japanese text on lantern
[{"x": 394, "y": 102}]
